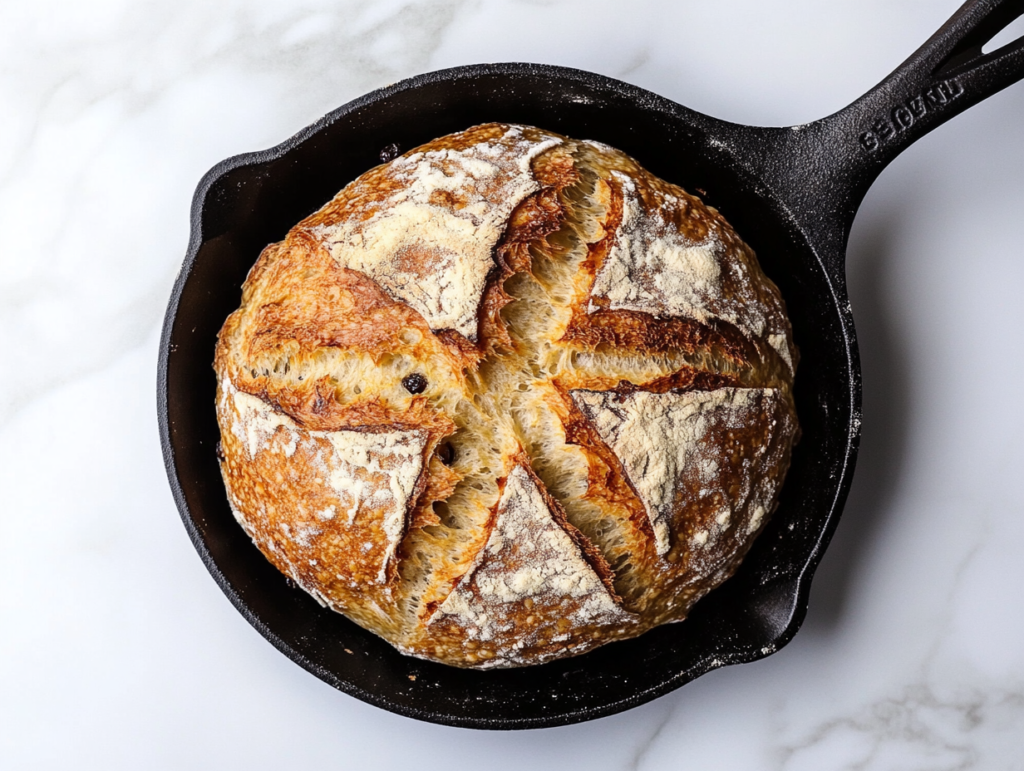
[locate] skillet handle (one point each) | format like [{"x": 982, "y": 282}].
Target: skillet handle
[
  {"x": 944, "y": 77},
  {"x": 824, "y": 169}
]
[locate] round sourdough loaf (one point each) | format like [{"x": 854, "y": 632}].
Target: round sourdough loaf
[{"x": 506, "y": 398}]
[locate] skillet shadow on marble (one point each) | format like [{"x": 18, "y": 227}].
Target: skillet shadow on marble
[{"x": 886, "y": 400}]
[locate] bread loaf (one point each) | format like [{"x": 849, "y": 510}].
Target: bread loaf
[{"x": 506, "y": 398}]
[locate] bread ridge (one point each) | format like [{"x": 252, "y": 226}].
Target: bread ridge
[{"x": 328, "y": 347}]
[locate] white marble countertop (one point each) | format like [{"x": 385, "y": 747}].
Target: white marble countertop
[{"x": 117, "y": 649}]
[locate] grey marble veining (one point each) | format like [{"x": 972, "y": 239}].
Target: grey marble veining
[{"x": 117, "y": 650}]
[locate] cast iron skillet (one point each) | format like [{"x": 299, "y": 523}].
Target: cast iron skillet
[{"x": 792, "y": 193}]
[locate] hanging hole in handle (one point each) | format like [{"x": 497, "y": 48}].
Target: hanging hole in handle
[
  {"x": 1009, "y": 34},
  {"x": 996, "y": 31}
]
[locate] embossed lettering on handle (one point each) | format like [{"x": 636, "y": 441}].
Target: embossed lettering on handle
[{"x": 902, "y": 117}]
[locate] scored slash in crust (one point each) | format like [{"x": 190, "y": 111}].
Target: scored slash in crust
[{"x": 531, "y": 593}]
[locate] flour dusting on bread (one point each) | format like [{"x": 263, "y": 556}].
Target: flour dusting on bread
[
  {"x": 395, "y": 455},
  {"x": 653, "y": 267},
  {"x": 257, "y": 422},
  {"x": 422, "y": 250},
  {"x": 660, "y": 437},
  {"x": 367, "y": 470}
]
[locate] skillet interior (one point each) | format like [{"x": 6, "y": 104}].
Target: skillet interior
[{"x": 249, "y": 201}]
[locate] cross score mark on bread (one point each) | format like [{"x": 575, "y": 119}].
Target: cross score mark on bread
[{"x": 507, "y": 398}]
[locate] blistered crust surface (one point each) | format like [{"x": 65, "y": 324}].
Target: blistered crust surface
[{"x": 507, "y": 398}]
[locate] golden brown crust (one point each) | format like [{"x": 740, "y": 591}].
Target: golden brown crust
[
  {"x": 302, "y": 524},
  {"x": 725, "y": 484},
  {"x": 484, "y": 316}
]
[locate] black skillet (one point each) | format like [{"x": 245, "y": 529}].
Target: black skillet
[{"x": 791, "y": 192}]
